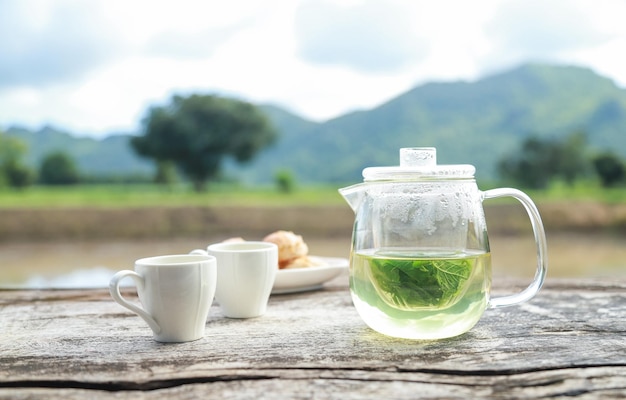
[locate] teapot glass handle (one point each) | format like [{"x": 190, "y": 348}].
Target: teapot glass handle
[{"x": 540, "y": 240}]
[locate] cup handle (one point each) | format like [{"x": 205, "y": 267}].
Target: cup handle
[
  {"x": 114, "y": 289},
  {"x": 540, "y": 240}
]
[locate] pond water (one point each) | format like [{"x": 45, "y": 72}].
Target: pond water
[{"x": 91, "y": 264}]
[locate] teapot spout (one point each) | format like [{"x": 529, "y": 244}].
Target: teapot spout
[{"x": 354, "y": 195}]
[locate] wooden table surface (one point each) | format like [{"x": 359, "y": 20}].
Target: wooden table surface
[{"x": 568, "y": 342}]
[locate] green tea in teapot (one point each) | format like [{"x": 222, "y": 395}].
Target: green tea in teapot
[
  {"x": 420, "y": 264},
  {"x": 420, "y": 295}
]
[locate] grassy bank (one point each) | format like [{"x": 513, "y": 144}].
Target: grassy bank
[
  {"x": 319, "y": 220},
  {"x": 123, "y": 196},
  {"x": 149, "y": 211}
]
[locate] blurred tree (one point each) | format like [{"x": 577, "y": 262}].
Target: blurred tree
[
  {"x": 13, "y": 171},
  {"x": 197, "y": 132},
  {"x": 531, "y": 167},
  {"x": 610, "y": 168},
  {"x": 19, "y": 175},
  {"x": 166, "y": 173},
  {"x": 571, "y": 157},
  {"x": 285, "y": 181},
  {"x": 539, "y": 161},
  {"x": 58, "y": 168}
]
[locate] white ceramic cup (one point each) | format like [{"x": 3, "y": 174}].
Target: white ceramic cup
[
  {"x": 176, "y": 292},
  {"x": 245, "y": 276}
]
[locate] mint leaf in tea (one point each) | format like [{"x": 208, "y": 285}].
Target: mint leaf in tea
[
  {"x": 420, "y": 296},
  {"x": 418, "y": 283}
]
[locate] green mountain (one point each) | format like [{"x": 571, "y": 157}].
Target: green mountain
[
  {"x": 110, "y": 156},
  {"x": 469, "y": 122}
]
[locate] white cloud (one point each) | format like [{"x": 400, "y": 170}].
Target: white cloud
[
  {"x": 96, "y": 67},
  {"x": 552, "y": 31},
  {"x": 52, "y": 44},
  {"x": 537, "y": 27},
  {"x": 369, "y": 36}
]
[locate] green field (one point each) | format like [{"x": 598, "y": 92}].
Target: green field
[
  {"x": 112, "y": 196},
  {"x": 148, "y": 195}
]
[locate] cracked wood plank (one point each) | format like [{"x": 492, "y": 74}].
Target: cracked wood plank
[{"x": 567, "y": 342}]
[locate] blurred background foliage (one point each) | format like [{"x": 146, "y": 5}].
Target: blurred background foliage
[{"x": 532, "y": 127}]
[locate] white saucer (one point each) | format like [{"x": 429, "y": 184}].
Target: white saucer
[{"x": 309, "y": 278}]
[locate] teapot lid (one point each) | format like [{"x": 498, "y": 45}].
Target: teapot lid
[{"x": 418, "y": 163}]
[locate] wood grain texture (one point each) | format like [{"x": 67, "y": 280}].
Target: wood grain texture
[{"x": 569, "y": 341}]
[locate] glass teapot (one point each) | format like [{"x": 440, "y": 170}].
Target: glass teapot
[{"x": 420, "y": 263}]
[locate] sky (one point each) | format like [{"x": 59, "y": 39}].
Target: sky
[{"x": 95, "y": 67}]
